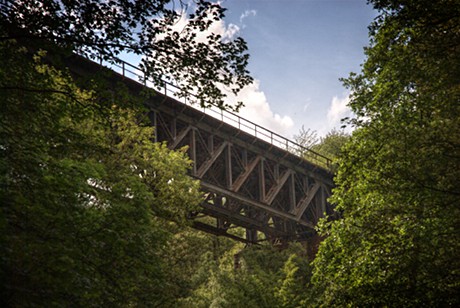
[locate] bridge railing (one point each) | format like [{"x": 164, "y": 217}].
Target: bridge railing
[{"x": 169, "y": 89}]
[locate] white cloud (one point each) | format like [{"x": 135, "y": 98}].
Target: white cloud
[
  {"x": 247, "y": 14},
  {"x": 338, "y": 110},
  {"x": 216, "y": 27},
  {"x": 257, "y": 109}
]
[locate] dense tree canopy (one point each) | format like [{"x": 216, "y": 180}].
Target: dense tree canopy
[
  {"x": 252, "y": 276},
  {"x": 398, "y": 181},
  {"x": 143, "y": 27},
  {"x": 86, "y": 196}
]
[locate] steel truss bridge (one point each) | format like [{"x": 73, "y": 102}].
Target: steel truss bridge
[{"x": 257, "y": 185}]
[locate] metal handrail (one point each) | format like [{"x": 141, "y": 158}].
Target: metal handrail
[{"x": 133, "y": 72}]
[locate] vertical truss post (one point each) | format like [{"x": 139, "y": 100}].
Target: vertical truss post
[
  {"x": 228, "y": 166},
  {"x": 261, "y": 180},
  {"x": 211, "y": 143},
  {"x": 251, "y": 235},
  {"x": 192, "y": 150},
  {"x": 292, "y": 200},
  {"x": 153, "y": 120},
  {"x": 244, "y": 157},
  {"x": 276, "y": 172},
  {"x": 174, "y": 128}
]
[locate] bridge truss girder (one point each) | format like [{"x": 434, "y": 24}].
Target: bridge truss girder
[{"x": 269, "y": 192}]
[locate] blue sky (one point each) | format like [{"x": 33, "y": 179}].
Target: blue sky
[{"x": 299, "y": 49}]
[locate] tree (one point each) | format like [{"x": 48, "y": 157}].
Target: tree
[
  {"x": 190, "y": 257},
  {"x": 327, "y": 147},
  {"x": 144, "y": 27},
  {"x": 331, "y": 144},
  {"x": 87, "y": 197},
  {"x": 398, "y": 180},
  {"x": 264, "y": 277},
  {"x": 294, "y": 287},
  {"x": 223, "y": 285},
  {"x": 306, "y": 138}
]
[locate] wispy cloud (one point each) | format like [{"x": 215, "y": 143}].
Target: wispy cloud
[
  {"x": 338, "y": 110},
  {"x": 227, "y": 32},
  {"x": 247, "y": 14},
  {"x": 307, "y": 104}
]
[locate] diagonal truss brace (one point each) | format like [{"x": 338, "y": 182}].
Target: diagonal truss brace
[
  {"x": 207, "y": 164},
  {"x": 243, "y": 176},
  {"x": 271, "y": 195},
  {"x": 180, "y": 137},
  {"x": 305, "y": 202}
]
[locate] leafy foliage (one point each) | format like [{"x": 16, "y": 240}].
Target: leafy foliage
[
  {"x": 328, "y": 147},
  {"x": 331, "y": 144},
  {"x": 86, "y": 196},
  {"x": 253, "y": 276},
  {"x": 398, "y": 181},
  {"x": 143, "y": 27},
  {"x": 294, "y": 288}
]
